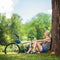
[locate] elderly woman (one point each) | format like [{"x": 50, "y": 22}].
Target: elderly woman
[{"x": 42, "y": 45}]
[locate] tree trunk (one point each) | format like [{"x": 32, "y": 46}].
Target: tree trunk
[{"x": 56, "y": 26}]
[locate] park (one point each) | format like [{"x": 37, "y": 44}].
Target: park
[{"x": 12, "y": 29}]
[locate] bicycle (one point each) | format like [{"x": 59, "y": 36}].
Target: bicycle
[{"x": 18, "y": 46}]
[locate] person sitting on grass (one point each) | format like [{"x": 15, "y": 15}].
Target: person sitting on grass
[{"x": 42, "y": 45}]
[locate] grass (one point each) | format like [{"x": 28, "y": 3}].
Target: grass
[{"x": 42, "y": 56}]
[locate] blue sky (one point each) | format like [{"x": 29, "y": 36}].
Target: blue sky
[{"x": 25, "y": 8}]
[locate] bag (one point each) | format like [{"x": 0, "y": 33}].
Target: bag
[{"x": 17, "y": 41}]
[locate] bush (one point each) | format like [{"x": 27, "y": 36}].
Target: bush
[{"x": 2, "y": 48}]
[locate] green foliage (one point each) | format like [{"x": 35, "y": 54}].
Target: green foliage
[
  {"x": 1, "y": 48},
  {"x": 2, "y": 30},
  {"x": 13, "y": 25},
  {"x": 38, "y": 25},
  {"x": 9, "y": 27}
]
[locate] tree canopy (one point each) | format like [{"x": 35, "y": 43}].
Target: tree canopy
[{"x": 36, "y": 27}]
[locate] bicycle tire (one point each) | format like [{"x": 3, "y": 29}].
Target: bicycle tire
[{"x": 11, "y": 44}]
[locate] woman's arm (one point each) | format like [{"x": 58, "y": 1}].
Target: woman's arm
[
  {"x": 44, "y": 40},
  {"x": 40, "y": 40}
]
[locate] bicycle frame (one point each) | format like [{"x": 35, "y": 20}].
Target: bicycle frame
[{"x": 17, "y": 45}]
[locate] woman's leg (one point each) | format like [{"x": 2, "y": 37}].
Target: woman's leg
[
  {"x": 29, "y": 50},
  {"x": 37, "y": 45},
  {"x": 34, "y": 45}
]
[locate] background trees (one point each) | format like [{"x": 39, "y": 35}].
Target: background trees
[
  {"x": 3, "y": 41},
  {"x": 38, "y": 25},
  {"x": 13, "y": 25}
]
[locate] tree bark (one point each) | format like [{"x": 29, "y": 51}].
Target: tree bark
[{"x": 56, "y": 26}]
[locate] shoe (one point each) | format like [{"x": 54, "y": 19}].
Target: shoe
[
  {"x": 27, "y": 52},
  {"x": 33, "y": 52}
]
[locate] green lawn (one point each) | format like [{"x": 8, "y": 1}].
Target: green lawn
[{"x": 42, "y": 56}]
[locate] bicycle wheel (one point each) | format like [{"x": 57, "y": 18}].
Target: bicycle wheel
[{"x": 12, "y": 48}]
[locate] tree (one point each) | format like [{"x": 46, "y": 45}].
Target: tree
[
  {"x": 38, "y": 25},
  {"x": 56, "y": 26},
  {"x": 9, "y": 27},
  {"x": 3, "y": 41},
  {"x": 15, "y": 25}
]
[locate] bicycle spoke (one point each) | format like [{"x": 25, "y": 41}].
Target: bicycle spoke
[{"x": 12, "y": 49}]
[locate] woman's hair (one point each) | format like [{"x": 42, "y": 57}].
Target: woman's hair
[{"x": 48, "y": 32}]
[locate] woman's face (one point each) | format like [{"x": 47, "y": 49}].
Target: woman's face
[{"x": 46, "y": 33}]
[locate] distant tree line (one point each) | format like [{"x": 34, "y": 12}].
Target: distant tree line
[{"x": 14, "y": 25}]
